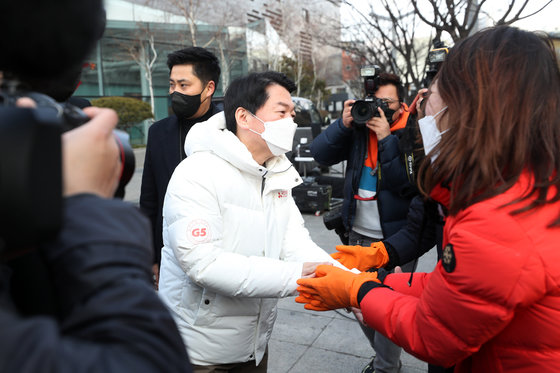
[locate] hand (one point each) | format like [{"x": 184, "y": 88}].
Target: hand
[
  {"x": 310, "y": 267},
  {"x": 420, "y": 102},
  {"x": 332, "y": 288},
  {"x": 346, "y": 116},
  {"x": 155, "y": 271},
  {"x": 25, "y": 102},
  {"x": 359, "y": 316},
  {"x": 362, "y": 258},
  {"x": 90, "y": 155},
  {"x": 379, "y": 125}
]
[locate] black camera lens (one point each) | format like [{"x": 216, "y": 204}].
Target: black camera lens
[
  {"x": 364, "y": 110},
  {"x": 361, "y": 111}
]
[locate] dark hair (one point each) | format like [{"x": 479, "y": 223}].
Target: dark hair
[
  {"x": 249, "y": 92},
  {"x": 502, "y": 89},
  {"x": 41, "y": 39},
  {"x": 206, "y": 66},
  {"x": 384, "y": 79}
]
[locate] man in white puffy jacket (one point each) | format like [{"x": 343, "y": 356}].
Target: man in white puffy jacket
[{"x": 234, "y": 240}]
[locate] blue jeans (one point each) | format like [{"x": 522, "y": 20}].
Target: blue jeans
[{"x": 387, "y": 354}]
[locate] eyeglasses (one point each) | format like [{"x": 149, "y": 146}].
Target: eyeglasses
[{"x": 389, "y": 101}]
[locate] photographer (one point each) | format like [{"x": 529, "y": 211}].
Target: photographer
[
  {"x": 379, "y": 183},
  {"x": 75, "y": 287}
]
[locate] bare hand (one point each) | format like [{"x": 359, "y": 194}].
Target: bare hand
[
  {"x": 26, "y": 102},
  {"x": 379, "y": 125},
  {"x": 90, "y": 155},
  {"x": 359, "y": 316},
  {"x": 308, "y": 270},
  {"x": 346, "y": 116},
  {"x": 421, "y": 103},
  {"x": 155, "y": 272}
]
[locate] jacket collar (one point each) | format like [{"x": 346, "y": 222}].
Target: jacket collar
[
  {"x": 441, "y": 194},
  {"x": 212, "y": 136}
]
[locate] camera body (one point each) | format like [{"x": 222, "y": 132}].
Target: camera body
[
  {"x": 30, "y": 172},
  {"x": 333, "y": 220},
  {"x": 436, "y": 56},
  {"x": 66, "y": 115},
  {"x": 31, "y": 165},
  {"x": 364, "y": 110}
]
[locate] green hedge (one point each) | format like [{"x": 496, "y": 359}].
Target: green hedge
[{"x": 131, "y": 111}]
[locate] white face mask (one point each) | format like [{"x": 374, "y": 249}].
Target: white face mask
[
  {"x": 430, "y": 133},
  {"x": 278, "y": 134}
]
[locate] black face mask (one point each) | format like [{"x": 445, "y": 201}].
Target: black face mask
[{"x": 185, "y": 106}]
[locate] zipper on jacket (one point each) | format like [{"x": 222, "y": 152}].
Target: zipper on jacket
[{"x": 263, "y": 181}]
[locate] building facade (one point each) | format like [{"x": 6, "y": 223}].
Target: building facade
[{"x": 246, "y": 35}]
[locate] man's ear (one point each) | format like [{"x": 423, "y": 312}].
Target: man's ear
[
  {"x": 241, "y": 118},
  {"x": 210, "y": 89}
]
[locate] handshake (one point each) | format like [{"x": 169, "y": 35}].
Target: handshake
[{"x": 333, "y": 288}]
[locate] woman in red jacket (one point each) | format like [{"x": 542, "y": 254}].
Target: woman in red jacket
[{"x": 493, "y": 302}]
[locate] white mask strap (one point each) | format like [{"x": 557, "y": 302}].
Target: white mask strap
[
  {"x": 259, "y": 119},
  {"x": 439, "y": 112}
]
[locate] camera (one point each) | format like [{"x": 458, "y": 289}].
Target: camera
[
  {"x": 364, "y": 110},
  {"x": 31, "y": 165},
  {"x": 436, "y": 56},
  {"x": 333, "y": 220}
]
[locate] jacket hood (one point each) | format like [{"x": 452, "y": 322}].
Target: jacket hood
[{"x": 213, "y": 136}]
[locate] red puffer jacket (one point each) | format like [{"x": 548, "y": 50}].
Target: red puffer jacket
[{"x": 493, "y": 302}]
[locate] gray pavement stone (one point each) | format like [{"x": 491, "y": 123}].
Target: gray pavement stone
[
  {"x": 321, "y": 360},
  {"x": 346, "y": 337},
  {"x": 299, "y": 327},
  {"x": 283, "y": 355}
]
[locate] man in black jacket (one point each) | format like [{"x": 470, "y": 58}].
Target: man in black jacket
[
  {"x": 378, "y": 185},
  {"x": 90, "y": 307},
  {"x": 194, "y": 74}
]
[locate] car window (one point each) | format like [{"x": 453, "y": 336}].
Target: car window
[{"x": 306, "y": 113}]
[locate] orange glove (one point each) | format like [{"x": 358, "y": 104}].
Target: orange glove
[
  {"x": 362, "y": 257},
  {"x": 332, "y": 288}
]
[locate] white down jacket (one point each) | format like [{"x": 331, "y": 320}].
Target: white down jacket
[{"x": 234, "y": 241}]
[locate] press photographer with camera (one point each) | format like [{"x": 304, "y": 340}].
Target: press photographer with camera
[
  {"x": 75, "y": 269},
  {"x": 372, "y": 137}
]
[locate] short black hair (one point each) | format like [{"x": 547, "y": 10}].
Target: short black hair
[
  {"x": 392, "y": 79},
  {"x": 249, "y": 92},
  {"x": 43, "y": 39},
  {"x": 206, "y": 66}
]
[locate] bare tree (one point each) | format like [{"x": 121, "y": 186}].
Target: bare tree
[
  {"x": 299, "y": 32},
  {"x": 215, "y": 36},
  {"x": 140, "y": 47},
  {"x": 386, "y": 36},
  {"x": 226, "y": 39},
  {"x": 295, "y": 36},
  {"x": 143, "y": 51},
  {"x": 459, "y": 18},
  {"x": 186, "y": 8},
  {"x": 226, "y": 42}
]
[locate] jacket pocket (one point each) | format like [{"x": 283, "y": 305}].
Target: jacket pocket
[
  {"x": 235, "y": 306},
  {"x": 195, "y": 302}
]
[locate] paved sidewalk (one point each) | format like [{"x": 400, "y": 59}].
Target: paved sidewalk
[{"x": 304, "y": 341}]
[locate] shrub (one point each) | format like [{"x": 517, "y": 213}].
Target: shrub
[{"x": 131, "y": 111}]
